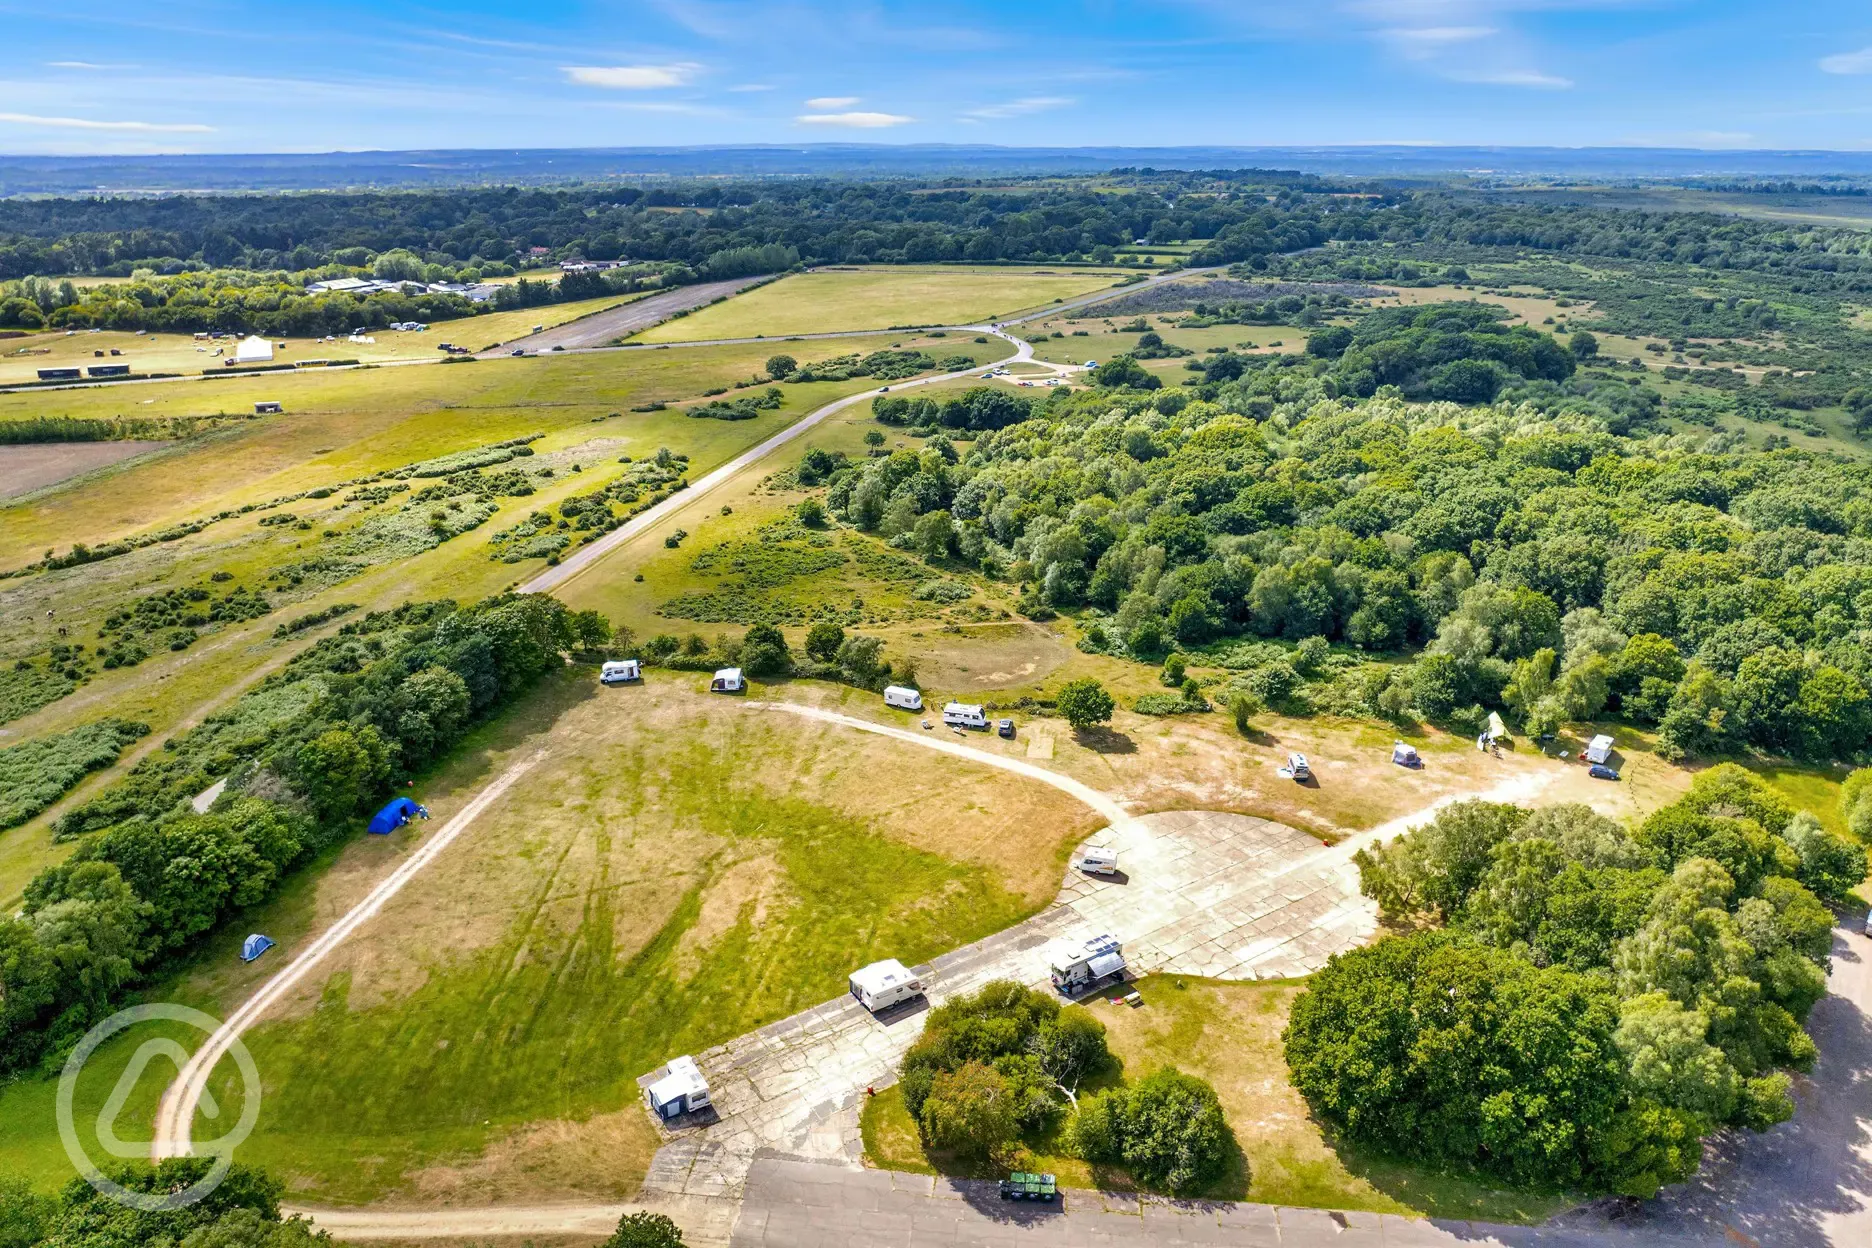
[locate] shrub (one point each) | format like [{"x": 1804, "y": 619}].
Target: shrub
[
  {"x": 644, "y": 1229},
  {"x": 1167, "y": 1130}
]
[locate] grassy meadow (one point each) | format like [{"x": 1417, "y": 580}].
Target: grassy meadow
[
  {"x": 834, "y": 299},
  {"x": 677, "y": 870}
]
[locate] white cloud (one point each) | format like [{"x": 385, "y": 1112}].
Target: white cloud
[
  {"x": 1019, "y": 108},
  {"x": 745, "y": 87},
  {"x": 855, "y": 121},
  {"x": 85, "y": 123},
  {"x": 1514, "y": 78},
  {"x": 1426, "y": 39},
  {"x": 633, "y": 77},
  {"x": 75, "y": 65},
  {"x": 1859, "y": 62},
  {"x": 831, "y": 103}
]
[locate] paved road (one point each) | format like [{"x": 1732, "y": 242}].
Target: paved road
[
  {"x": 601, "y": 328},
  {"x": 175, "y": 1114},
  {"x": 586, "y": 556}
]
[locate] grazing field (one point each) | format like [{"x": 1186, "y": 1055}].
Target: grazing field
[
  {"x": 1230, "y": 1034},
  {"x": 829, "y": 300}
]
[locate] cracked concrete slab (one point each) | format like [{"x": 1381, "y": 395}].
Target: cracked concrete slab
[{"x": 1202, "y": 893}]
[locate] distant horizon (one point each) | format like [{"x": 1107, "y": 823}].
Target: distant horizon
[{"x": 391, "y": 168}]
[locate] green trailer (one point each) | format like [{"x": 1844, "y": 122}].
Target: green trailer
[{"x": 1019, "y": 1186}]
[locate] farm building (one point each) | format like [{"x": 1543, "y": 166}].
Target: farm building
[
  {"x": 267, "y": 407},
  {"x": 253, "y": 350}
]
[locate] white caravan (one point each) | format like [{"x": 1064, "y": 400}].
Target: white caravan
[
  {"x": 884, "y": 984},
  {"x": 903, "y": 699},
  {"x": 620, "y": 671},
  {"x": 963, "y": 715}
]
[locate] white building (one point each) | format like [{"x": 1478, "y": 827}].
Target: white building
[{"x": 253, "y": 350}]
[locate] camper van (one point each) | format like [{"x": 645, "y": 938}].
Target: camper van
[
  {"x": 1298, "y": 768},
  {"x": 728, "y": 680},
  {"x": 961, "y": 715},
  {"x": 884, "y": 984},
  {"x": 681, "y": 1090},
  {"x": 620, "y": 671},
  {"x": 903, "y": 699},
  {"x": 1098, "y": 860},
  {"x": 1599, "y": 749},
  {"x": 1077, "y": 968}
]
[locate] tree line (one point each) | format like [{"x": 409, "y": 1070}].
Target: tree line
[
  {"x": 346, "y": 723},
  {"x": 1590, "y": 1000}
]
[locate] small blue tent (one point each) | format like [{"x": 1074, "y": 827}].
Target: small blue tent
[
  {"x": 254, "y": 946},
  {"x": 393, "y": 816}
]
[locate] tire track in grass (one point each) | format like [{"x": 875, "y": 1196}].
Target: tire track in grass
[{"x": 175, "y": 1114}]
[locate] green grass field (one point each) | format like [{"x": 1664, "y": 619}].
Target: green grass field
[
  {"x": 678, "y": 870},
  {"x": 830, "y": 300}
]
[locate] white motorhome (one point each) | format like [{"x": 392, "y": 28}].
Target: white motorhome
[
  {"x": 1599, "y": 749},
  {"x": 1098, "y": 860},
  {"x": 903, "y": 699},
  {"x": 884, "y": 984},
  {"x": 1078, "y": 967},
  {"x": 963, "y": 715},
  {"x": 620, "y": 671},
  {"x": 681, "y": 1090},
  {"x": 728, "y": 680}
]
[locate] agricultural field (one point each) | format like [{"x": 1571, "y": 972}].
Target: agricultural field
[
  {"x": 21, "y": 358},
  {"x": 836, "y": 299}
]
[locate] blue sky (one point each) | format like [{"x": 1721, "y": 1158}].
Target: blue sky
[{"x": 213, "y": 75}]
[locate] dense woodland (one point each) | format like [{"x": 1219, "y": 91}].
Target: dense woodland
[
  {"x": 1558, "y": 556},
  {"x": 1601, "y": 998}
]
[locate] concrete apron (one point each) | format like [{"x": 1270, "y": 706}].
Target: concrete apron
[{"x": 1201, "y": 893}]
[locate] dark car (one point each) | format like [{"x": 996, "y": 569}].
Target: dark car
[
  {"x": 1005, "y": 728},
  {"x": 1599, "y": 771}
]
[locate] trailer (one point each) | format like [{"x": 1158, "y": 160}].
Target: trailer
[
  {"x": 728, "y": 680},
  {"x": 1599, "y": 749},
  {"x": 1024, "y": 1186},
  {"x": 1098, "y": 860},
  {"x": 620, "y": 671},
  {"x": 1079, "y": 967},
  {"x": 885, "y": 984},
  {"x": 964, "y": 715},
  {"x": 903, "y": 698},
  {"x": 681, "y": 1090}
]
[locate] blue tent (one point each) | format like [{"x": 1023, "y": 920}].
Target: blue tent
[
  {"x": 254, "y": 946},
  {"x": 393, "y": 816}
]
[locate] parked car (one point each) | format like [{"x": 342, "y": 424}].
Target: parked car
[
  {"x": 1599, "y": 771},
  {"x": 1006, "y": 728}
]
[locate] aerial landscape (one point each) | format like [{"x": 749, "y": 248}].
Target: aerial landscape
[{"x": 1219, "y": 624}]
